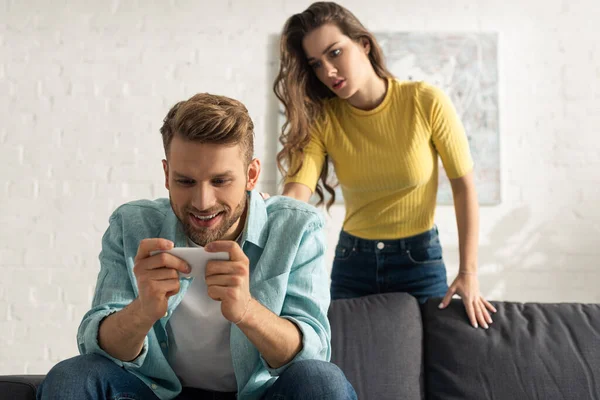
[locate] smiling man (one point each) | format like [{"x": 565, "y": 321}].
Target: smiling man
[{"x": 255, "y": 327}]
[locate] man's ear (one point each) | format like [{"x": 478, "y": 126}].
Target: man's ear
[
  {"x": 253, "y": 174},
  {"x": 166, "y": 169}
]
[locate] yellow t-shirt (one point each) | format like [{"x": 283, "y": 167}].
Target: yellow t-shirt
[{"x": 386, "y": 158}]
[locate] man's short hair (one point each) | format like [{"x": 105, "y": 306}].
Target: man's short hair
[{"x": 209, "y": 118}]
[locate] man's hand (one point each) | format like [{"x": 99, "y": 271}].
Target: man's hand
[
  {"x": 278, "y": 339},
  {"x": 157, "y": 277},
  {"x": 122, "y": 334},
  {"x": 228, "y": 281}
]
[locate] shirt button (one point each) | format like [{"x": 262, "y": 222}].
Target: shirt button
[
  {"x": 154, "y": 386},
  {"x": 380, "y": 245},
  {"x": 166, "y": 314}
]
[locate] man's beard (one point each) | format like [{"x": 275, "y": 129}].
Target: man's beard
[{"x": 203, "y": 236}]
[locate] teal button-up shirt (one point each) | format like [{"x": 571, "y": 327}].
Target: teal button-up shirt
[{"x": 284, "y": 241}]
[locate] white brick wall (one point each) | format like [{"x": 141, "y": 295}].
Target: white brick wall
[{"x": 86, "y": 84}]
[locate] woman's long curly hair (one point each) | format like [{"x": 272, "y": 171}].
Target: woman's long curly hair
[{"x": 301, "y": 92}]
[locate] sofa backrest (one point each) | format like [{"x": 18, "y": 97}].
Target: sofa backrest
[
  {"x": 531, "y": 351},
  {"x": 377, "y": 341}
]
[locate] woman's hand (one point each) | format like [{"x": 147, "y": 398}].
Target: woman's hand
[{"x": 466, "y": 285}]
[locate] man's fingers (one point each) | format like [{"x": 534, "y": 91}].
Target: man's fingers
[
  {"x": 171, "y": 287},
  {"x": 162, "y": 260},
  {"x": 225, "y": 280},
  {"x": 148, "y": 245},
  {"x": 162, "y": 274},
  {"x": 217, "y": 292},
  {"x": 218, "y": 267},
  {"x": 158, "y": 289},
  {"x": 227, "y": 246},
  {"x": 159, "y": 262}
]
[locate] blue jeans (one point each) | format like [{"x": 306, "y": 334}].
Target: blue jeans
[
  {"x": 93, "y": 376},
  {"x": 414, "y": 265}
]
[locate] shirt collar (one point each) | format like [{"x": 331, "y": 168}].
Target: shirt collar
[{"x": 256, "y": 220}]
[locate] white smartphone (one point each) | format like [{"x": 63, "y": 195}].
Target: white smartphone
[{"x": 196, "y": 257}]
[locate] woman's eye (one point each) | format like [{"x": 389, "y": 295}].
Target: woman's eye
[{"x": 336, "y": 52}]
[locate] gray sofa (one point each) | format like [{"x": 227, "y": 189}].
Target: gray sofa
[{"x": 392, "y": 348}]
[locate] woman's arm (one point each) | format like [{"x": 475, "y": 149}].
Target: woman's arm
[
  {"x": 466, "y": 208},
  {"x": 297, "y": 191},
  {"x": 466, "y": 284}
]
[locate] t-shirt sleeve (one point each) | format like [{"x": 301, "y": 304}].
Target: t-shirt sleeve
[
  {"x": 314, "y": 158},
  {"x": 447, "y": 132}
]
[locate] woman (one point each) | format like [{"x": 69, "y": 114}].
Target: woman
[{"x": 383, "y": 137}]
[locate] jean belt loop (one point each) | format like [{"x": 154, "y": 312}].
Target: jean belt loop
[{"x": 434, "y": 236}]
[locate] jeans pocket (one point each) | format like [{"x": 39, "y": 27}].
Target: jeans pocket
[
  {"x": 342, "y": 252},
  {"x": 425, "y": 255}
]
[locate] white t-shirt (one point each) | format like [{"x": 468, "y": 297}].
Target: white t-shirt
[{"x": 200, "y": 352}]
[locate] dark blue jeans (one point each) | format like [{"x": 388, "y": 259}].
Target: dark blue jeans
[
  {"x": 95, "y": 377},
  {"x": 413, "y": 265}
]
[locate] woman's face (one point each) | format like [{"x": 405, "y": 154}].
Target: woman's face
[{"x": 339, "y": 62}]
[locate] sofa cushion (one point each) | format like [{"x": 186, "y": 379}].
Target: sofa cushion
[
  {"x": 19, "y": 387},
  {"x": 531, "y": 351},
  {"x": 377, "y": 341}
]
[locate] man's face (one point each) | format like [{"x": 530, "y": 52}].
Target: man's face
[{"x": 207, "y": 186}]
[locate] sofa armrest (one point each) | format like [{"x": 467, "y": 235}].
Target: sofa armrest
[
  {"x": 19, "y": 387},
  {"x": 377, "y": 341}
]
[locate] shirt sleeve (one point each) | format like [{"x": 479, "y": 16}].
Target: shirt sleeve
[
  {"x": 314, "y": 159},
  {"x": 447, "y": 132},
  {"x": 307, "y": 298},
  {"x": 113, "y": 292}
]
